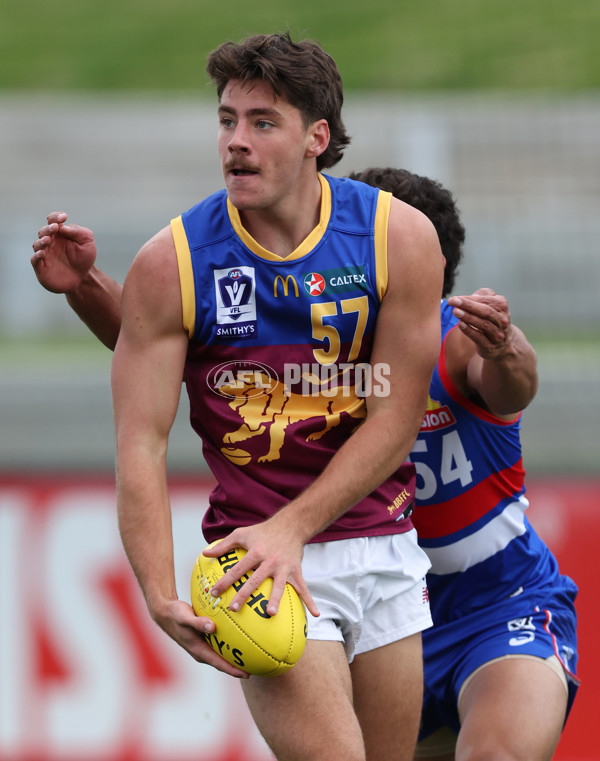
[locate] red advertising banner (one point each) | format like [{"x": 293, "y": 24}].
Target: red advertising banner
[
  {"x": 85, "y": 674},
  {"x": 566, "y": 514}
]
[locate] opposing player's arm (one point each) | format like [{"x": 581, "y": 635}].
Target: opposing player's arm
[
  {"x": 407, "y": 343},
  {"x": 146, "y": 382},
  {"x": 97, "y": 303},
  {"x": 64, "y": 262},
  {"x": 489, "y": 358}
]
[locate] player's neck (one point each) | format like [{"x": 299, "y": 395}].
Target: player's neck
[{"x": 282, "y": 228}]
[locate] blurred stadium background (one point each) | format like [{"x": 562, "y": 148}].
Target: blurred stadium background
[{"x": 105, "y": 113}]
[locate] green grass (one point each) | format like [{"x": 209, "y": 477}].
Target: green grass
[
  {"x": 53, "y": 351},
  {"x": 161, "y": 45},
  {"x": 83, "y": 350}
]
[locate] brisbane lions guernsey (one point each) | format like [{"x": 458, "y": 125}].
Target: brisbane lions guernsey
[
  {"x": 470, "y": 502},
  {"x": 278, "y": 361}
]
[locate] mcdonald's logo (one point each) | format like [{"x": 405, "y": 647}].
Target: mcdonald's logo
[{"x": 285, "y": 282}]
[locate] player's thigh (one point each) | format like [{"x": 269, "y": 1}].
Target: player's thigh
[
  {"x": 513, "y": 709},
  {"x": 306, "y": 714},
  {"x": 388, "y": 693}
]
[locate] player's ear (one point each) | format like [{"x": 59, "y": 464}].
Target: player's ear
[{"x": 317, "y": 138}]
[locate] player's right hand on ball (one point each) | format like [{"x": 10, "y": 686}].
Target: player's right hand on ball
[
  {"x": 63, "y": 254},
  {"x": 180, "y": 622}
]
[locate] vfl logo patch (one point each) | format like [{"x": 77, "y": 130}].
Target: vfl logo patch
[{"x": 235, "y": 295}]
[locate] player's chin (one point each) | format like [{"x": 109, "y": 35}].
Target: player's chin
[
  {"x": 246, "y": 197},
  {"x": 242, "y": 202}
]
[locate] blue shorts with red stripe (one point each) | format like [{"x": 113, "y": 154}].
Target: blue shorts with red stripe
[{"x": 540, "y": 621}]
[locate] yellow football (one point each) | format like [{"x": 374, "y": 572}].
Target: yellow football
[{"x": 250, "y": 638}]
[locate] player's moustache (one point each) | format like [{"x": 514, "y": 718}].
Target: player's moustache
[{"x": 236, "y": 165}]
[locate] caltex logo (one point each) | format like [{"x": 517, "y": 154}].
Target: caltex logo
[{"x": 314, "y": 284}]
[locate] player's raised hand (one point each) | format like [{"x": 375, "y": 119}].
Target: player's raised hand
[
  {"x": 63, "y": 254},
  {"x": 485, "y": 318}
]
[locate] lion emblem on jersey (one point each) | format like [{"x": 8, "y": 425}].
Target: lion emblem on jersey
[{"x": 270, "y": 411}]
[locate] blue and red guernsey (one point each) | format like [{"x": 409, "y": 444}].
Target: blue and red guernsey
[
  {"x": 470, "y": 501},
  {"x": 278, "y": 359}
]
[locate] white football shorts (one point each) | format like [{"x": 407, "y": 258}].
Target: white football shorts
[{"x": 370, "y": 591}]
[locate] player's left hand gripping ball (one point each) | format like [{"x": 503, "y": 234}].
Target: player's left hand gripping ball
[{"x": 250, "y": 638}]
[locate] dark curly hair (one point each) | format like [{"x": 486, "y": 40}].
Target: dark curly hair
[
  {"x": 302, "y": 72},
  {"x": 431, "y": 198}
]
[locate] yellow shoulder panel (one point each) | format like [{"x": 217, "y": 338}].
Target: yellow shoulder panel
[
  {"x": 186, "y": 275},
  {"x": 382, "y": 216}
]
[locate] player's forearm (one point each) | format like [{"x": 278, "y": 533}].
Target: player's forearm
[
  {"x": 408, "y": 344},
  {"x": 146, "y": 532},
  {"x": 370, "y": 456},
  {"x": 509, "y": 381},
  {"x": 97, "y": 302}
]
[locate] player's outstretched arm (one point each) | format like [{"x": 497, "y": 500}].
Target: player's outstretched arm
[
  {"x": 489, "y": 358},
  {"x": 64, "y": 262}
]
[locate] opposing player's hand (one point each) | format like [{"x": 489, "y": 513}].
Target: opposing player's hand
[
  {"x": 180, "y": 622},
  {"x": 63, "y": 254},
  {"x": 485, "y": 319},
  {"x": 271, "y": 553}
]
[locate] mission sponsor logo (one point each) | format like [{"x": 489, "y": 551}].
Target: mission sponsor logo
[
  {"x": 339, "y": 280},
  {"x": 437, "y": 416},
  {"x": 235, "y": 296}
]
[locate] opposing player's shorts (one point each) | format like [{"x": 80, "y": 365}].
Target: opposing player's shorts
[
  {"x": 370, "y": 591},
  {"x": 540, "y": 622}
]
